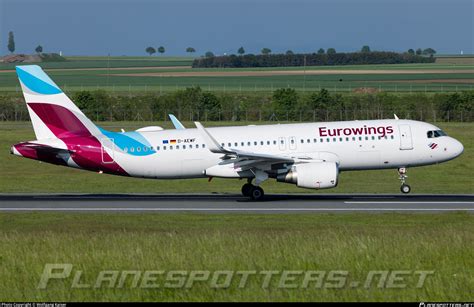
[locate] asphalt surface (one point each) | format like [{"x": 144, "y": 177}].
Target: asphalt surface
[{"x": 228, "y": 203}]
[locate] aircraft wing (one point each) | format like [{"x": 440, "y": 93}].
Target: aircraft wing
[
  {"x": 240, "y": 155},
  {"x": 176, "y": 123}
]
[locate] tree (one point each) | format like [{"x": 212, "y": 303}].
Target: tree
[
  {"x": 289, "y": 52},
  {"x": 150, "y": 50},
  {"x": 285, "y": 100},
  {"x": 208, "y": 102},
  {"x": 411, "y": 51},
  {"x": 209, "y": 54},
  {"x": 429, "y": 51},
  {"x": 331, "y": 51},
  {"x": 190, "y": 50},
  {"x": 241, "y": 51},
  {"x": 39, "y": 49},
  {"x": 11, "y": 42},
  {"x": 418, "y": 51},
  {"x": 161, "y": 49},
  {"x": 266, "y": 51},
  {"x": 321, "y": 51},
  {"x": 365, "y": 49}
]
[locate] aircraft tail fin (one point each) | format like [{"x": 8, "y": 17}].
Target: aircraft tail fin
[{"x": 52, "y": 113}]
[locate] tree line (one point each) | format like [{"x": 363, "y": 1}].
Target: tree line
[
  {"x": 314, "y": 59},
  {"x": 285, "y": 104}
]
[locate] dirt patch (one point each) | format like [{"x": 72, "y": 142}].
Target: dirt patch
[
  {"x": 458, "y": 81},
  {"x": 266, "y": 73}
]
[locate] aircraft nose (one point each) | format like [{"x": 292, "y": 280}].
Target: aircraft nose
[{"x": 456, "y": 148}]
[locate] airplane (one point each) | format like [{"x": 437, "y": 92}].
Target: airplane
[{"x": 310, "y": 155}]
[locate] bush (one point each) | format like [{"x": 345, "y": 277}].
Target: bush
[{"x": 196, "y": 104}]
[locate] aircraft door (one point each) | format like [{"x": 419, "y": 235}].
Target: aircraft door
[
  {"x": 406, "y": 141},
  {"x": 292, "y": 142},
  {"x": 107, "y": 157},
  {"x": 281, "y": 143}
]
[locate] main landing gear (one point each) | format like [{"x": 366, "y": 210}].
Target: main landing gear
[
  {"x": 404, "y": 188},
  {"x": 254, "y": 192}
]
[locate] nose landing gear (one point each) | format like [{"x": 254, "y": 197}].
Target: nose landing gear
[{"x": 404, "y": 188}]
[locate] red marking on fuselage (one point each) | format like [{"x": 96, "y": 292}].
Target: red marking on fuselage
[{"x": 86, "y": 148}]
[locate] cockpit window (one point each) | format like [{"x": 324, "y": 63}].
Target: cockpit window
[{"x": 435, "y": 133}]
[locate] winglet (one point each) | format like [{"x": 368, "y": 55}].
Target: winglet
[
  {"x": 176, "y": 123},
  {"x": 396, "y": 117},
  {"x": 211, "y": 143}
]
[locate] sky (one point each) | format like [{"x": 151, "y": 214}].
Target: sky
[{"x": 127, "y": 27}]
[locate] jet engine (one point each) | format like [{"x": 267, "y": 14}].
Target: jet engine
[{"x": 314, "y": 175}]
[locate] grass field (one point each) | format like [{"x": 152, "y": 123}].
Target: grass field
[
  {"x": 355, "y": 243},
  {"x": 21, "y": 175},
  {"x": 75, "y": 62},
  {"x": 81, "y": 73}
]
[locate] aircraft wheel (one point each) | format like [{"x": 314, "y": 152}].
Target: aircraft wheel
[
  {"x": 405, "y": 188},
  {"x": 256, "y": 193},
  {"x": 246, "y": 189}
]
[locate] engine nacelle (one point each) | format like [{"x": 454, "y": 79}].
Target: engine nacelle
[{"x": 314, "y": 175}]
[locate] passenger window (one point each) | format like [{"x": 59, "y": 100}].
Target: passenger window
[
  {"x": 236, "y": 144},
  {"x": 184, "y": 146},
  {"x": 255, "y": 143},
  {"x": 177, "y": 146},
  {"x": 261, "y": 142},
  {"x": 373, "y": 137},
  {"x": 197, "y": 145},
  {"x": 268, "y": 142},
  {"x": 132, "y": 149},
  {"x": 353, "y": 138},
  {"x": 125, "y": 149},
  {"x": 308, "y": 141},
  {"x": 164, "y": 147},
  {"x": 315, "y": 140},
  {"x": 340, "y": 139},
  {"x": 302, "y": 141},
  {"x": 328, "y": 139},
  {"x": 191, "y": 146},
  {"x": 171, "y": 147},
  {"x": 392, "y": 137},
  {"x": 274, "y": 142},
  {"x": 203, "y": 145},
  {"x": 334, "y": 139},
  {"x": 242, "y": 144},
  {"x": 347, "y": 139},
  {"x": 248, "y": 143},
  {"x": 321, "y": 140},
  {"x": 157, "y": 147}
]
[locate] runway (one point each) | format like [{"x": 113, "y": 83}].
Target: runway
[{"x": 230, "y": 203}]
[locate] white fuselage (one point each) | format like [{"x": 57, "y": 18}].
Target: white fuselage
[{"x": 406, "y": 146}]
